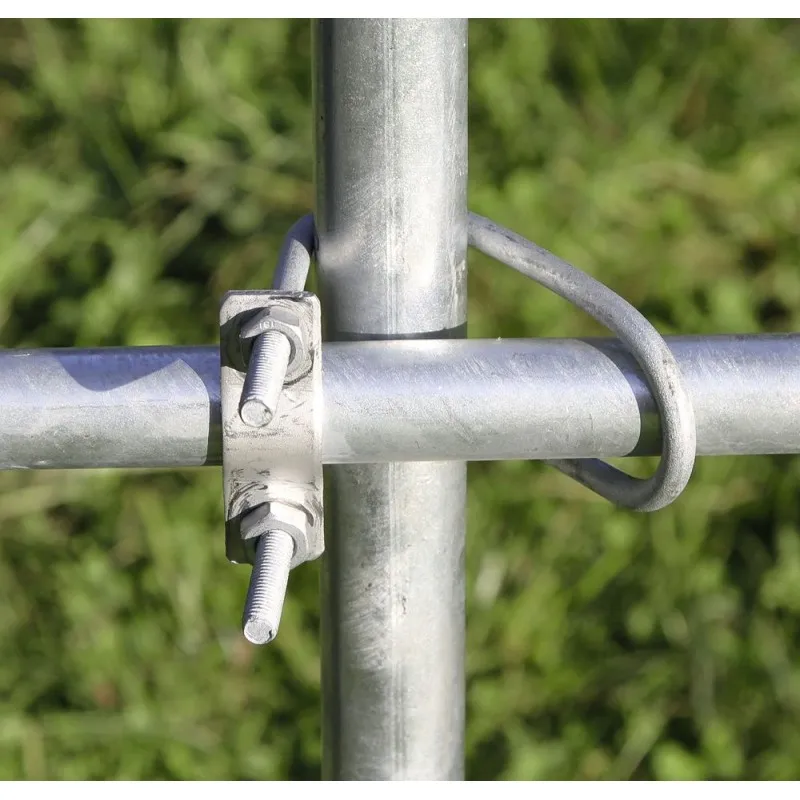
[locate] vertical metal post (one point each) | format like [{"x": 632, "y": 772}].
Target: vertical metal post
[{"x": 391, "y": 119}]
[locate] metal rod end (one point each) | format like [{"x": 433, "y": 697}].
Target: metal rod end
[
  {"x": 257, "y": 630},
  {"x": 263, "y": 383},
  {"x": 255, "y": 413},
  {"x": 267, "y": 590}
]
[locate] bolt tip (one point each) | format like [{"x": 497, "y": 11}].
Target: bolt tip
[
  {"x": 255, "y": 414},
  {"x": 259, "y": 631}
]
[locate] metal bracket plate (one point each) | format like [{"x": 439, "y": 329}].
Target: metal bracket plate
[{"x": 281, "y": 461}]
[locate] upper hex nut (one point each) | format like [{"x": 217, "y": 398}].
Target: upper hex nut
[{"x": 282, "y": 317}]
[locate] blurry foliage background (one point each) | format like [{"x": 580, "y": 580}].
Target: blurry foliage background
[{"x": 147, "y": 167}]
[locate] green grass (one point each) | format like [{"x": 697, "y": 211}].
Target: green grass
[{"x": 149, "y": 167}]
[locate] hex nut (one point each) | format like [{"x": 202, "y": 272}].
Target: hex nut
[
  {"x": 274, "y": 515},
  {"x": 280, "y": 316}
]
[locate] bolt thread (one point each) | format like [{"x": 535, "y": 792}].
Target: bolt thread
[
  {"x": 266, "y": 374},
  {"x": 267, "y": 590}
]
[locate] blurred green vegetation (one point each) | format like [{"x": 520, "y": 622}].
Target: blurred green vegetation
[{"x": 147, "y": 167}]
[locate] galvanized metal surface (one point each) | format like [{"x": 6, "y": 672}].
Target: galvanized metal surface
[
  {"x": 391, "y": 113},
  {"x": 266, "y": 374},
  {"x": 266, "y": 592},
  {"x": 280, "y": 461},
  {"x": 646, "y": 345},
  {"x": 294, "y": 261},
  {"x": 464, "y": 400},
  {"x": 401, "y": 414},
  {"x": 115, "y": 407},
  {"x": 286, "y": 340},
  {"x": 552, "y": 398}
]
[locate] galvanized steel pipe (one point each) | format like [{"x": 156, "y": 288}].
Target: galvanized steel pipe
[
  {"x": 391, "y": 218},
  {"x": 403, "y": 401}
]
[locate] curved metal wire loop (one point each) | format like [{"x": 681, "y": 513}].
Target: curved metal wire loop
[
  {"x": 295, "y": 257},
  {"x": 679, "y": 439}
]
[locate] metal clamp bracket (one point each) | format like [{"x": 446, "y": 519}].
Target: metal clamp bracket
[
  {"x": 272, "y": 472},
  {"x": 271, "y": 407}
]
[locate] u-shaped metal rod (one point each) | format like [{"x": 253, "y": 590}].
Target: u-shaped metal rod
[
  {"x": 645, "y": 343},
  {"x": 295, "y": 257},
  {"x": 647, "y": 347}
]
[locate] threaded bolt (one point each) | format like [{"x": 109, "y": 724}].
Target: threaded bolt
[
  {"x": 266, "y": 374},
  {"x": 267, "y": 590}
]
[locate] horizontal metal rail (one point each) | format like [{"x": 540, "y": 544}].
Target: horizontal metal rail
[{"x": 403, "y": 401}]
